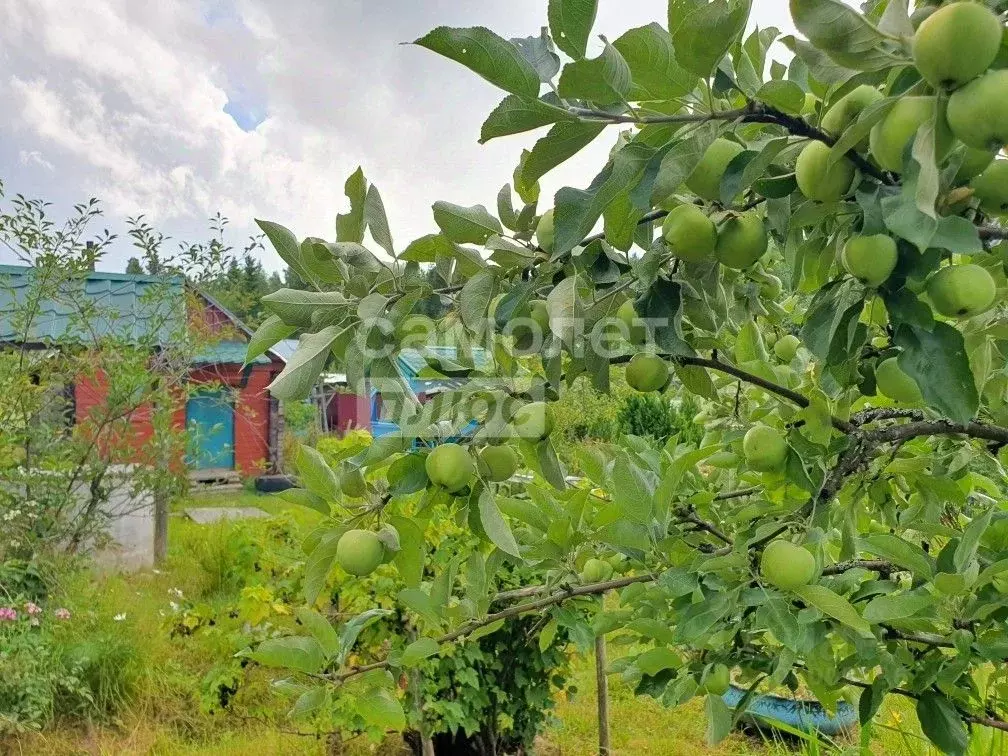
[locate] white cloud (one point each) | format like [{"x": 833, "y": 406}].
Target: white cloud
[{"x": 125, "y": 101}]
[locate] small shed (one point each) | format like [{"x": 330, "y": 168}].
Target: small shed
[{"x": 234, "y": 425}]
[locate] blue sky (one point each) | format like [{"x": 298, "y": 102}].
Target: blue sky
[{"x": 261, "y": 108}]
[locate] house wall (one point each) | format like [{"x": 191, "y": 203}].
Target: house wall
[
  {"x": 348, "y": 411},
  {"x": 252, "y": 411}
]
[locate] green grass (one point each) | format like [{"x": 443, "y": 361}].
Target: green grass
[{"x": 165, "y": 712}]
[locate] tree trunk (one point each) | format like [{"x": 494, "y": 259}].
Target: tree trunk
[
  {"x": 602, "y": 686},
  {"x": 160, "y": 526}
]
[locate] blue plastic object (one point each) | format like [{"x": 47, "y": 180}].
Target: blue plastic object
[{"x": 800, "y": 714}]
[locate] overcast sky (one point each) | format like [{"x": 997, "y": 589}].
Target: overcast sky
[{"x": 261, "y": 108}]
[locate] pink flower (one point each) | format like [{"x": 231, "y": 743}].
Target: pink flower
[
  {"x": 33, "y": 609},
  {"x": 62, "y": 613},
  {"x": 8, "y": 614}
]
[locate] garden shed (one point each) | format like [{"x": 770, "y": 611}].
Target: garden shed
[{"x": 234, "y": 426}]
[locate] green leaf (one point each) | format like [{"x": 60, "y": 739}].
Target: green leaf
[
  {"x": 576, "y": 211},
  {"x": 834, "y": 605},
  {"x": 938, "y": 362},
  {"x": 267, "y": 335},
  {"x": 296, "y": 308},
  {"x": 305, "y": 365},
  {"x": 295, "y": 652},
  {"x": 942, "y": 723},
  {"x": 966, "y": 550},
  {"x": 857, "y": 131},
  {"x": 418, "y": 650},
  {"x": 286, "y": 245},
  {"x": 465, "y": 225},
  {"x": 899, "y": 551},
  {"x": 632, "y": 492},
  {"x": 719, "y": 719},
  {"x": 896, "y": 606},
  {"x": 319, "y": 563},
  {"x": 604, "y": 80},
  {"x": 495, "y": 525},
  {"x": 843, "y": 34},
  {"x": 309, "y": 701},
  {"x": 830, "y": 329},
  {"x": 570, "y": 23},
  {"x": 304, "y": 498},
  {"x": 820, "y": 65},
  {"x": 561, "y": 142},
  {"x": 703, "y": 31},
  {"x": 516, "y": 114},
  {"x": 381, "y": 710},
  {"x": 409, "y": 560},
  {"x": 778, "y": 617},
  {"x": 377, "y": 221},
  {"x": 321, "y": 630},
  {"x": 564, "y": 307},
  {"x": 649, "y": 53},
  {"x": 680, "y": 160},
  {"x": 353, "y": 628},
  {"x": 539, "y": 51},
  {"x": 350, "y": 226},
  {"x": 315, "y": 473},
  {"x": 783, "y": 95},
  {"x": 474, "y": 299},
  {"x": 484, "y": 53}
]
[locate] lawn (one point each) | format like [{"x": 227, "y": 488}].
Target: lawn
[{"x": 169, "y": 704}]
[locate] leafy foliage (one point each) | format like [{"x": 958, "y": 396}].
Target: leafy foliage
[{"x": 773, "y": 328}]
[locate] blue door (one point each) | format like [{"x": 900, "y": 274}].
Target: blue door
[{"x": 210, "y": 423}]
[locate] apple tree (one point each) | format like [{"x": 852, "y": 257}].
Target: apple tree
[{"x": 803, "y": 232}]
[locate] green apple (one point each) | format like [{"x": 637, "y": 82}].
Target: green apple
[
  {"x": 956, "y": 43},
  {"x": 765, "y": 449},
  {"x": 544, "y": 231},
  {"x": 847, "y": 109},
  {"x": 978, "y": 112},
  {"x": 359, "y": 552},
  {"x": 450, "y": 466},
  {"x": 596, "y": 571},
  {"x": 533, "y": 421},
  {"x": 892, "y": 381},
  {"x": 690, "y": 233},
  {"x": 973, "y": 163},
  {"x": 352, "y": 483},
  {"x": 890, "y": 136},
  {"x": 870, "y": 259},
  {"x": 961, "y": 291},
  {"x": 628, "y": 315},
  {"x": 647, "y": 372},
  {"x": 786, "y": 565},
  {"x": 741, "y": 241},
  {"x": 716, "y": 680},
  {"x": 705, "y": 180},
  {"x": 497, "y": 463},
  {"x": 786, "y": 347},
  {"x": 817, "y": 179},
  {"x": 539, "y": 312},
  {"x": 991, "y": 188}
]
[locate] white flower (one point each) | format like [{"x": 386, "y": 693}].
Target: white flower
[{"x": 120, "y": 617}]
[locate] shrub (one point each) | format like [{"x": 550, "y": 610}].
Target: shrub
[
  {"x": 57, "y": 666},
  {"x": 658, "y": 417}
]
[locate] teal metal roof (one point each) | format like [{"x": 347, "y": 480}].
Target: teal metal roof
[
  {"x": 227, "y": 352},
  {"x": 134, "y": 308},
  {"x": 413, "y": 363}
]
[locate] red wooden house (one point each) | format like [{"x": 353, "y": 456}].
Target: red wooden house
[{"x": 234, "y": 426}]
